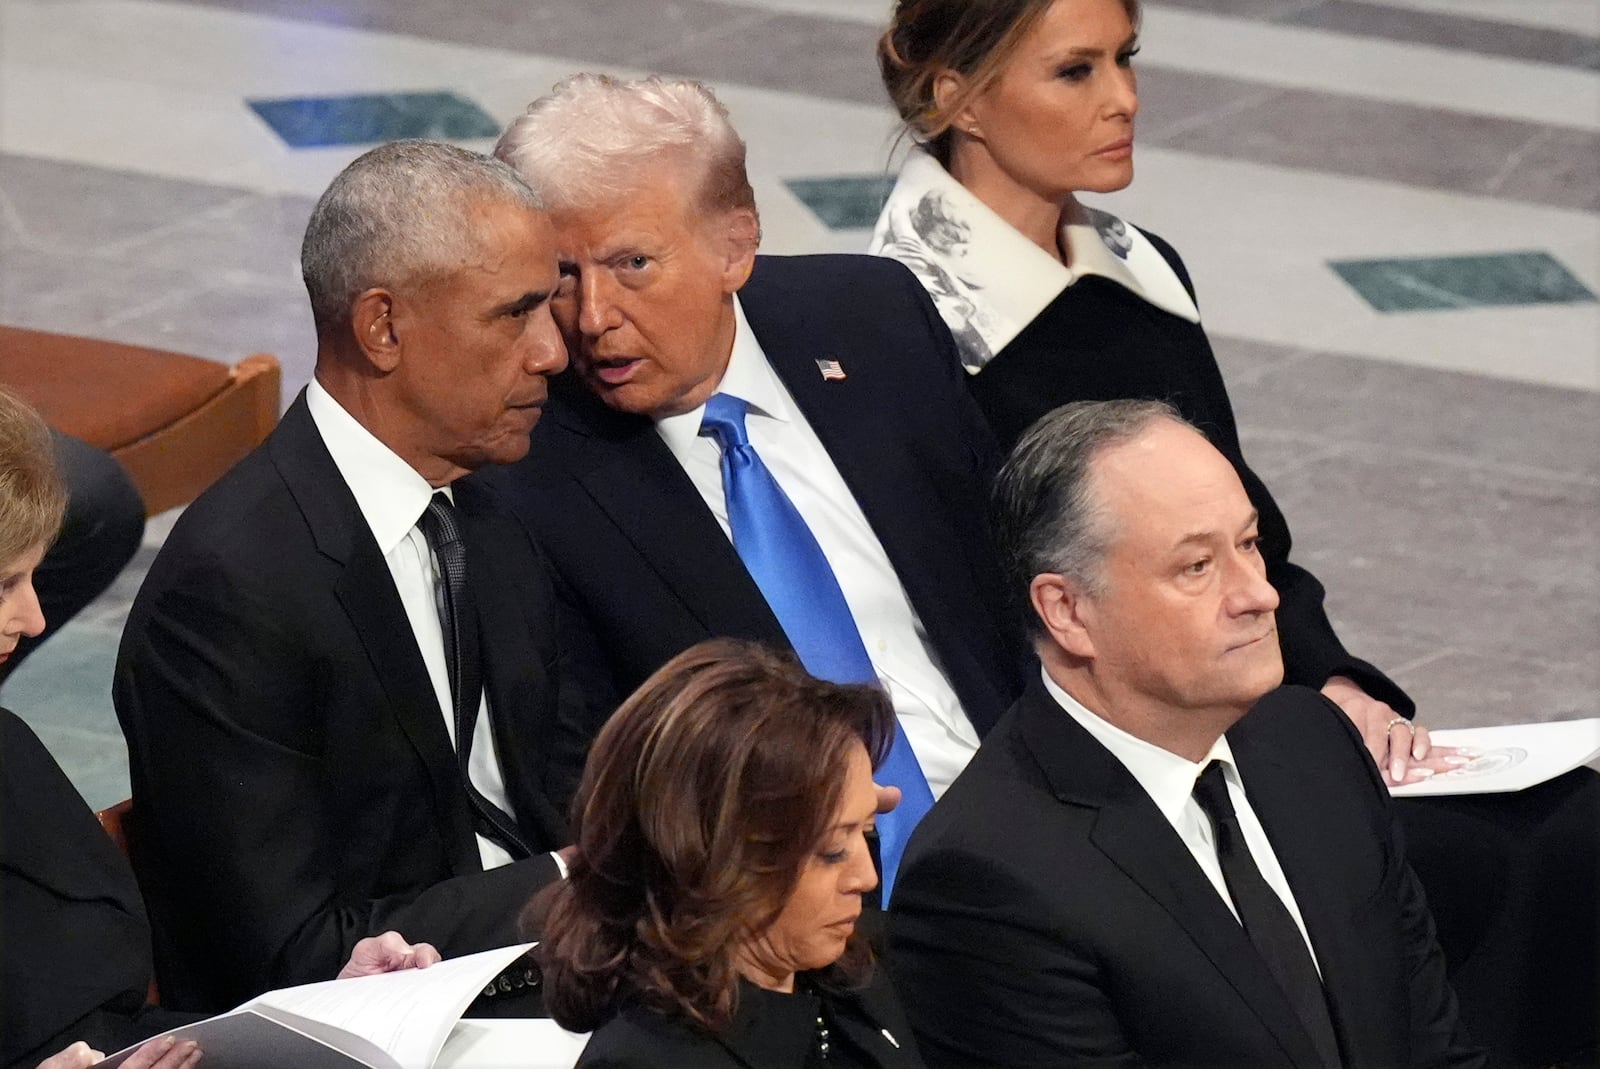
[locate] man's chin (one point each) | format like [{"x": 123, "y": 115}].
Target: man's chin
[
  {"x": 635, "y": 401},
  {"x": 508, "y": 449},
  {"x": 1267, "y": 680}
]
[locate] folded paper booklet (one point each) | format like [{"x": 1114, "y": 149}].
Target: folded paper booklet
[
  {"x": 1511, "y": 757},
  {"x": 397, "y": 1020},
  {"x": 510, "y": 1043}
]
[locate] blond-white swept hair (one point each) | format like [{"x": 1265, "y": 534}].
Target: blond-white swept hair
[{"x": 583, "y": 143}]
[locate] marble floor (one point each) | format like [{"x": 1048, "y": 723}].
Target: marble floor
[{"x": 1390, "y": 208}]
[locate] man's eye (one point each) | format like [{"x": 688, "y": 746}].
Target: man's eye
[{"x": 638, "y": 263}]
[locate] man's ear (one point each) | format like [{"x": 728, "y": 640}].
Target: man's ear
[
  {"x": 1066, "y": 611},
  {"x": 375, "y": 322},
  {"x": 741, "y": 237}
]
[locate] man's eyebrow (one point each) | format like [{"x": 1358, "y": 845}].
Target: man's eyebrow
[
  {"x": 526, "y": 303},
  {"x": 1202, "y": 537}
]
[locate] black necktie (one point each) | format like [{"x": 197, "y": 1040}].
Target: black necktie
[
  {"x": 1266, "y": 919},
  {"x": 458, "y": 619}
]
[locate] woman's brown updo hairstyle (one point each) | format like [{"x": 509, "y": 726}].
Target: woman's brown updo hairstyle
[{"x": 703, "y": 798}]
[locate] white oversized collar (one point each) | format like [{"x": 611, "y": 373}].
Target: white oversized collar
[{"x": 988, "y": 280}]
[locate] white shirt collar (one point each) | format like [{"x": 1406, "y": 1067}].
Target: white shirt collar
[
  {"x": 749, "y": 377},
  {"x": 1167, "y": 778},
  {"x": 988, "y": 280},
  {"x": 389, "y": 492}
]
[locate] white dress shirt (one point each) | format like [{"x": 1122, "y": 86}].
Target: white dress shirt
[
  {"x": 392, "y": 497},
  {"x": 1169, "y": 781},
  {"x": 939, "y": 732}
]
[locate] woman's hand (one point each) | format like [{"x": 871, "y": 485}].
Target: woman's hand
[
  {"x": 168, "y": 1052},
  {"x": 1403, "y": 750}
]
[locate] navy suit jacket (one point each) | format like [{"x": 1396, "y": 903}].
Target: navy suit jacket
[
  {"x": 645, "y": 568},
  {"x": 1047, "y": 914},
  {"x": 294, "y": 785}
]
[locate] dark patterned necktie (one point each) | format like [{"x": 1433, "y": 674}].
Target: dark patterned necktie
[
  {"x": 458, "y": 619},
  {"x": 1266, "y": 919}
]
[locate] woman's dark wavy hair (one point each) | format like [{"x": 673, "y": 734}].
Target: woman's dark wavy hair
[{"x": 703, "y": 798}]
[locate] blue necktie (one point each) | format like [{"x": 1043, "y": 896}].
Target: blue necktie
[{"x": 783, "y": 557}]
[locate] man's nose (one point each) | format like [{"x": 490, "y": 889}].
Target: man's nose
[
  {"x": 598, "y": 311},
  {"x": 546, "y": 352},
  {"x": 1252, "y": 592}
]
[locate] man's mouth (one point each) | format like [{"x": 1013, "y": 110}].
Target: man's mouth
[
  {"x": 1247, "y": 643},
  {"x": 613, "y": 371}
]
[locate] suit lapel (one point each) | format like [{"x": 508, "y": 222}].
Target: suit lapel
[
  {"x": 515, "y": 681},
  {"x": 840, "y": 411},
  {"x": 869, "y": 1027},
  {"x": 780, "y": 1030},
  {"x": 1278, "y": 797},
  {"x": 366, "y": 592},
  {"x": 1134, "y": 836},
  {"x": 632, "y": 476}
]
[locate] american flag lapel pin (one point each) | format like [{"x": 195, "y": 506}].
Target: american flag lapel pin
[{"x": 831, "y": 370}]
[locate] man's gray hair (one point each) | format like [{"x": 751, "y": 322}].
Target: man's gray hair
[
  {"x": 398, "y": 213},
  {"x": 1047, "y": 516},
  {"x": 583, "y": 144}
]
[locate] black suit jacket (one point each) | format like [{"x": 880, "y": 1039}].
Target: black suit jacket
[
  {"x": 1047, "y": 914},
  {"x": 647, "y": 570},
  {"x": 770, "y": 1031},
  {"x": 74, "y": 941},
  {"x": 1099, "y": 342},
  {"x": 294, "y": 785}
]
